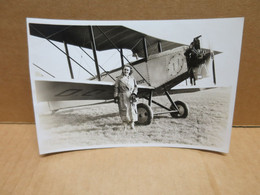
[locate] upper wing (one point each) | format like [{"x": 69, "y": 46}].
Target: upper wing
[
  {"x": 47, "y": 90},
  {"x": 121, "y": 37}
]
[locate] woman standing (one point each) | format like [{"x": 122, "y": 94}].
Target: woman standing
[{"x": 125, "y": 95}]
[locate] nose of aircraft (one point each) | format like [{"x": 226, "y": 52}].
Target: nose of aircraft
[{"x": 203, "y": 69}]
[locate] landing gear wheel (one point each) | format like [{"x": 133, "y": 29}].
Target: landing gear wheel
[
  {"x": 145, "y": 114},
  {"x": 183, "y": 110}
]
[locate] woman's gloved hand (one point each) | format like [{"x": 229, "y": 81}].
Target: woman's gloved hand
[
  {"x": 116, "y": 99},
  {"x": 133, "y": 98}
]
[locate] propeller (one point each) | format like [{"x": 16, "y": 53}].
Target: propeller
[{"x": 199, "y": 61}]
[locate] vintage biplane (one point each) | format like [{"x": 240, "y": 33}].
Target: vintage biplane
[{"x": 161, "y": 65}]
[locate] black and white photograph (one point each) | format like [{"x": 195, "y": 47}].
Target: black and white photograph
[{"x": 154, "y": 83}]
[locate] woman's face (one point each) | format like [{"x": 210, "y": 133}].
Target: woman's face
[{"x": 126, "y": 71}]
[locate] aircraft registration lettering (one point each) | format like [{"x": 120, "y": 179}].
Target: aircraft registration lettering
[
  {"x": 95, "y": 91},
  {"x": 69, "y": 92}
]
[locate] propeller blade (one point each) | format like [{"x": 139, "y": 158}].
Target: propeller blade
[
  {"x": 192, "y": 77},
  {"x": 213, "y": 68},
  {"x": 213, "y": 64}
]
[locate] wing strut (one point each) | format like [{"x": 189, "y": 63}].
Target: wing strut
[
  {"x": 69, "y": 63},
  {"x": 159, "y": 46},
  {"x": 123, "y": 55},
  {"x": 93, "y": 44},
  {"x": 61, "y": 50},
  {"x": 98, "y": 65},
  {"x": 145, "y": 49}
]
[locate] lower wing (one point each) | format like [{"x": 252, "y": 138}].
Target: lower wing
[{"x": 50, "y": 90}]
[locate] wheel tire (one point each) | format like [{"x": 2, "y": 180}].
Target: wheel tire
[
  {"x": 183, "y": 110},
  {"x": 145, "y": 114}
]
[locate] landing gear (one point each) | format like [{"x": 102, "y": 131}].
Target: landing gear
[
  {"x": 178, "y": 109},
  {"x": 145, "y": 114},
  {"x": 182, "y": 110}
]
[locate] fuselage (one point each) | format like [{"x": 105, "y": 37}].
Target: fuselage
[{"x": 163, "y": 70}]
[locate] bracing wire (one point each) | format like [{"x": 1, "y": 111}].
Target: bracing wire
[
  {"x": 123, "y": 55},
  {"x": 44, "y": 70},
  {"x": 98, "y": 64},
  {"x": 62, "y": 51}
]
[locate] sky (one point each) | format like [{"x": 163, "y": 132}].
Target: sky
[{"x": 224, "y": 35}]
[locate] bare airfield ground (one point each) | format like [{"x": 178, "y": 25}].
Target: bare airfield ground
[{"x": 79, "y": 128}]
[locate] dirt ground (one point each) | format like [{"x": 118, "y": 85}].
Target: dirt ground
[{"x": 91, "y": 126}]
